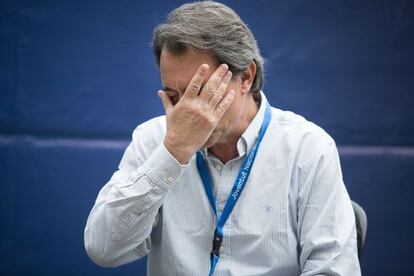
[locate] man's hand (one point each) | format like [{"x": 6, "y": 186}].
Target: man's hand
[{"x": 192, "y": 120}]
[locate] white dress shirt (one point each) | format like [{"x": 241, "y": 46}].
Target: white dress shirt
[{"x": 294, "y": 217}]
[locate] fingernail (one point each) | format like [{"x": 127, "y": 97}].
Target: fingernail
[
  {"x": 204, "y": 68},
  {"x": 224, "y": 66},
  {"x": 229, "y": 74}
]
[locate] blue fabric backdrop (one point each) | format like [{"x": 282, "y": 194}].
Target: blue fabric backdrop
[{"x": 76, "y": 77}]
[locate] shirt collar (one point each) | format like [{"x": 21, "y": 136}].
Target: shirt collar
[{"x": 249, "y": 136}]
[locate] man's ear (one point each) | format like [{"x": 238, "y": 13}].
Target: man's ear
[{"x": 247, "y": 78}]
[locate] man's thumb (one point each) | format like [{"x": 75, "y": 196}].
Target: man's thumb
[{"x": 166, "y": 101}]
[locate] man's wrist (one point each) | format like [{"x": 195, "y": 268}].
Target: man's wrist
[{"x": 181, "y": 153}]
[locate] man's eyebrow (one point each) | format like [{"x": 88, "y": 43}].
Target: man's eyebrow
[{"x": 165, "y": 88}]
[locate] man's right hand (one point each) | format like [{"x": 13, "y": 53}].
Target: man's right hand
[{"x": 192, "y": 120}]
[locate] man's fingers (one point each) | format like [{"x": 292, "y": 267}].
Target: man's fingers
[
  {"x": 214, "y": 81},
  {"x": 166, "y": 101},
  {"x": 218, "y": 94},
  {"x": 224, "y": 104},
  {"x": 196, "y": 82}
]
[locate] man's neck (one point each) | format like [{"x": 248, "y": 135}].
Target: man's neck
[{"x": 227, "y": 150}]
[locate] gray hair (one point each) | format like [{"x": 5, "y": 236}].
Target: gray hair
[{"x": 214, "y": 27}]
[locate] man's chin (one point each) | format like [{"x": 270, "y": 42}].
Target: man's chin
[
  {"x": 212, "y": 140},
  {"x": 208, "y": 144}
]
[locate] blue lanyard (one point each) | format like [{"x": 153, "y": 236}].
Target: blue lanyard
[{"x": 235, "y": 192}]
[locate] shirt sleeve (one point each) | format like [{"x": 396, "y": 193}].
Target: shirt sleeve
[
  {"x": 126, "y": 210},
  {"x": 326, "y": 219}
]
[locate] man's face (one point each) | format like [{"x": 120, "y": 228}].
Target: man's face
[{"x": 177, "y": 72}]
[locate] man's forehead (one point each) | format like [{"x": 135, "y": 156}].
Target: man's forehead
[{"x": 178, "y": 69}]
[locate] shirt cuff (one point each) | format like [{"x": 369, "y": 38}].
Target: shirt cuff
[{"x": 162, "y": 168}]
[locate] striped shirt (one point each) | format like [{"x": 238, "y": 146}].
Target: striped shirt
[{"x": 294, "y": 217}]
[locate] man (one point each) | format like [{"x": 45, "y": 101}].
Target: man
[{"x": 223, "y": 184}]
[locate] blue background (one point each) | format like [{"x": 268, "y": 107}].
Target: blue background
[{"x": 76, "y": 77}]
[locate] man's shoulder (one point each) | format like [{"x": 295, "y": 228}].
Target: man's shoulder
[{"x": 297, "y": 130}]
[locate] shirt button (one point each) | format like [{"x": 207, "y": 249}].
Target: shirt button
[
  {"x": 170, "y": 179},
  {"x": 218, "y": 167}
]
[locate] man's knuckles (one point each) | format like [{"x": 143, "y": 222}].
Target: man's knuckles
[{"x": 194, "y": 88}]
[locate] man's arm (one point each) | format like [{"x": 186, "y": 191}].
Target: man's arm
[
  {"x": 119, "y": 225},
  {"x": 326, "y": 219}
]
